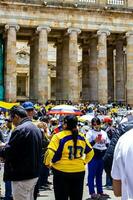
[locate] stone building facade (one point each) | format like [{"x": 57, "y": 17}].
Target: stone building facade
[
  {"x": 103, "y": 29},
  {"x": 23, "y": 72}
]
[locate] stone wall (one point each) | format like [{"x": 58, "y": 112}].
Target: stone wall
[
  {"x": 23, "y": 1},
  {"x": 77, "y": 3},
  {"x": 68, "y": 26}
]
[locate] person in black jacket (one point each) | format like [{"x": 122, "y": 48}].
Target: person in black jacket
[
  {"x": 108, "y": 157},
  {"x": 110, "y": 130},
  {"x": 22, "y": 155}
]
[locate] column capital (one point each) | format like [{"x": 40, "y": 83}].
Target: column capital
[
  {"x": 103, "y": 31},
  {"x": 8, "y": 26},
  {"x": 43, "y": 27},
  {"x": 70, "y": 30},
  {"x": 129, "y": 33}
]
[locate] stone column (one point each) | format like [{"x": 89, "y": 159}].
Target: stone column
[
  {"x": 43, "y": 63},
  {"x": 59, "y": 70},
  {"x": 73, "y": 93},
  {"x": 33, "y": 94},
  {"x": 102, "y": 66},
  {"x": 10, "y": 72},
  {"x": 130, "y": 4},
  {"x": 93, "y": 72},
  {"x": 85, "y": 72},
  {"x": 49, "y": 83},
  {"x": 103, "y": 2},
  {"x": 110, "y": 64},
  {"x": 120, "y": 83},
  {"x": 125, "y": 70},
  {"x": 31, "y": 81},
  {"x": 65, "y": 61},
  {"x": 1, "y": 68},
  {"x": 27, "y": 85},
  {"x": 129, "y": 84}
]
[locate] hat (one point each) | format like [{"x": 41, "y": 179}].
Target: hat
[
  {"x": 17, "y": 110},
  {"x": 107, "y": 120},
  {"x": 28, "y": 105}
]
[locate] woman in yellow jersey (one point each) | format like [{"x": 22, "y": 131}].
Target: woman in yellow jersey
[{"x": 67, "y": 154}]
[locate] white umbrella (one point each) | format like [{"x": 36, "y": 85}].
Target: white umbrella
[
  {"x": 84, "y": 118},
  {"x": 65, "y": 109}
]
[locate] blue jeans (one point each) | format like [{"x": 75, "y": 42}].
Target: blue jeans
[
  {"x": 95, "y": 171},
  {"x": 8, "y": 191},
  {"x": 44, "y": 173}
]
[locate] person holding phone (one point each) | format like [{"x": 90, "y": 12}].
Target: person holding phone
[
  {"x": 99, "y": 141},
  {"x": 67, "y": 154}
]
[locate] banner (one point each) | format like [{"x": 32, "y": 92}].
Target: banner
[{"x": 7, "y": 105}]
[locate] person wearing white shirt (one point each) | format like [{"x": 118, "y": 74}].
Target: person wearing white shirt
[
  {"x": 122, "y": 168},
  {"x": 99, "y": 141}
]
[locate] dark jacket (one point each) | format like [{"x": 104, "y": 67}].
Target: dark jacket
[
  {"x": 23, "y": 152},
  {"x": 108, "y": 157},
  {"x": 1, "y": 136}
]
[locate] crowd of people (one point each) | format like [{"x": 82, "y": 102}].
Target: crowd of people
[{"x": 34, "y": 143}]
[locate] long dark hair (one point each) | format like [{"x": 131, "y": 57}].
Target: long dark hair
[
  {"x": 95, "y": 121},
  {"x": 72, "y": 121}
]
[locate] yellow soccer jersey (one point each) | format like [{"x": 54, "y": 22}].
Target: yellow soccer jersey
[
  {"x": 114, "y": 110},
  {"x": 60, "y": 152}
]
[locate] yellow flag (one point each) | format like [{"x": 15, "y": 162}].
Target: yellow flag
[{"x": 7, "y": 105}]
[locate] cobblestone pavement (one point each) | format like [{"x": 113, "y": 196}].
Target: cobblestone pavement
[{"x": 49, "y": 194}]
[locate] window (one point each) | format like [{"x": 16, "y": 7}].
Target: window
[
  {"x": 116, "y": 2},
  {"x": 88, "y": 1}
]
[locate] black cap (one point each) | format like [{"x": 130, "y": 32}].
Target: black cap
[{"x": 18, "y": 110}]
